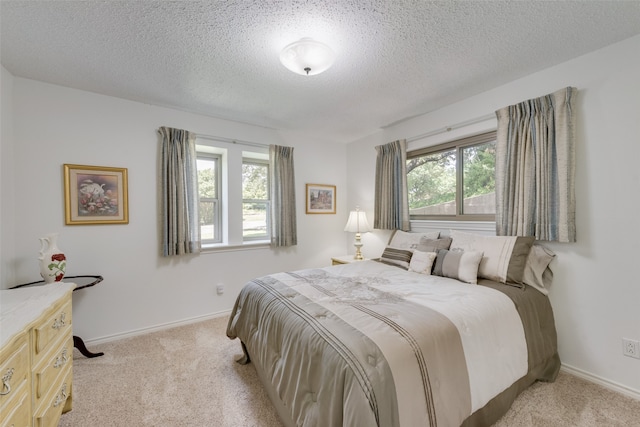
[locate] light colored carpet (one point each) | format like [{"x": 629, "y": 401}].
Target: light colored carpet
[{"x": 187, "y": 376}]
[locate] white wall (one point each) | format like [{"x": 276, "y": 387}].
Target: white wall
[
  {"x": 6, "y": 173},
  {"x": 53, "y": 125},
  {"x": 596, "y": 291}
]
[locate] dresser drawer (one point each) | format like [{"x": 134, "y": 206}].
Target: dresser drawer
[
  {"x": 14, "y": 368},
  {"x": 53, "y": 364},
  {"x": 48, "y": 413},
  {"x": 55, "y": 326},
  {"x": 17, "y": 413}
]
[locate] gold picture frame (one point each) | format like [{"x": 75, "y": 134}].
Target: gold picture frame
[
  {"x": 321, "y": 199},
  {"x": 95, "y": 195}
]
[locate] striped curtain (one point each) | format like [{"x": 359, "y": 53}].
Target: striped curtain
[
  {"x": 283, "y": 197},
  {"x": 179, "y": 188},
  {"x": 535, "y": 168},
  {"x": 391, "y": 206}
]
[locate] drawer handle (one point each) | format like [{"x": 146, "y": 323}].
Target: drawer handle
[
  {"x": 6, "y": 385},
  {"x": 61, "y": 360},
  {"x": 61, "y": 397},
  {"x": 59, "y": 323}
]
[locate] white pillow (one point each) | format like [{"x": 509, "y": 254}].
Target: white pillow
[
  {"x": 421, "y": 262},
  {"x": 504, "y": 257},
  {"x": 406, "y": 240}
]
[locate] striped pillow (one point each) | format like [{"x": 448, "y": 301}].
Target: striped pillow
[
  {"x": 396, "y": 256},
  {"x": 458, "y": 265}
]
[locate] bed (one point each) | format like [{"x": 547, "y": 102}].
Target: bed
[{"x": 377, "y": 343}]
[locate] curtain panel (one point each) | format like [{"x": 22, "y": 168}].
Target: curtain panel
[
  {"x": 283, "y": 197},
  {"x": 179, "y": 188},
  {"x": 535, "y": 168},
  {"x": 391, "y": 206}
]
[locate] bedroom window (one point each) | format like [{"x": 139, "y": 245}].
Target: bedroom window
[
  {"x": 453, "y": 181},
  {"x": 233, "y": 187},
  {"x": 255, "y": 199},
  {"x": 209, "y": 179}
]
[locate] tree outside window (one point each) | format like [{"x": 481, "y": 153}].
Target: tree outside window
[
  {"x": 255, "y": 200},
  {"x": 455, "y": 180}
]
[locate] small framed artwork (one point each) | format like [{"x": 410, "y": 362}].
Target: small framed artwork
[
  {"x": 321, "y": 199},
  {"x": 95, "y": 195}
]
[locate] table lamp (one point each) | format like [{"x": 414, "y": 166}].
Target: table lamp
[{"x": 357, "y": 223}]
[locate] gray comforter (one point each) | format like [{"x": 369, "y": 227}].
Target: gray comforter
[{"x": 367, "y": 344}]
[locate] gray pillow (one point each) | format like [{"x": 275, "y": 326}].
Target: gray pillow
[
  {"x": 460, "y": 265},
  {"x": 537, "y": 273},
  {"x": 432, "y": 245}
]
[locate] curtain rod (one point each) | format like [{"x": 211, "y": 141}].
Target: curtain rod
[
  {"x": 231, "y": 141},
  {"x": 452, "y": 127}
]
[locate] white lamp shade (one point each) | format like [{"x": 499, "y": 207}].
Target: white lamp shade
[
  {"x": 307, "y": 57},
  {"x": 357, "y": 222}
]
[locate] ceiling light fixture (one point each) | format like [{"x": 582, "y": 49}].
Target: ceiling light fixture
[{"x": 307, "y": 57}]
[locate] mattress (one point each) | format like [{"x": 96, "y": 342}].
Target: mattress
[{"x": 369, "y": 344}]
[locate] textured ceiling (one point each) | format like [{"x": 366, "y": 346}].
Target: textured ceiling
[{"x": 395, "y": 58}]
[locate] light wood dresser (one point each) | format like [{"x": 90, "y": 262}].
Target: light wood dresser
[{"x": 35, "y": 355}]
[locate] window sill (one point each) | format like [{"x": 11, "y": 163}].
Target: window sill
[{"x": 223, "y": 247}]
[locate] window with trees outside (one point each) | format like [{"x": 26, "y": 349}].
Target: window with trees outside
[
  {"x": 453, "y": 181},
  {"x": 209, "y": 179},
  {"x": 255, "y": 199},
  {"x": 233, "y": 191}
]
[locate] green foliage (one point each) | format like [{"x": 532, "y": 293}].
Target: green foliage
[
  {"x": 431, "y": 179},
  {"x": 479, "y": 169},
  {"x": 254, "y": 181},
  {"x": 207, "y": 186},
  {"x": 207, "y": 189}
]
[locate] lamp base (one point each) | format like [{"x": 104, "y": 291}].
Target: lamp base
[{"x": 358, "y": 244}]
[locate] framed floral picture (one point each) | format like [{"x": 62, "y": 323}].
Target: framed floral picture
[
  {"x": 95, "y": 195},
  {"x": 321, "y": 199}
]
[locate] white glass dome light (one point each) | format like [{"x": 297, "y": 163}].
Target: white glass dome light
[{"x": 307, "y": 57}]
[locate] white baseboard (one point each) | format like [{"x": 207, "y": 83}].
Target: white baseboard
[
  {"x": 627, "y": 391},
  {"x": 156, "y": 328}
]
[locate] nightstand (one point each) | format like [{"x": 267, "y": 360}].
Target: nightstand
[{"x": 345, "y": 259}]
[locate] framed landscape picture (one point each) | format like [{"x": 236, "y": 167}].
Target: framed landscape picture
[
  {"x": 95, "y": 195},
  {"x": 321, "y": 199}
]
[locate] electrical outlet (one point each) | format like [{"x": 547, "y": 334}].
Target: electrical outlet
[
  {"x": 220, "y": 289},
  {"x": 631, "y": 348}
]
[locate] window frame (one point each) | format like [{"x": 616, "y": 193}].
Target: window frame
[
  {"x": 232, "y": 155},
  {"x": 459, "y": 145},
  {"x": 217, "y": 202},
  {"x": 267, "y": 201}
]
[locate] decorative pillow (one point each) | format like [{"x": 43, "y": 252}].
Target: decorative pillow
[
  {"x": 504, "y": 257},
  {"x": 537, "y": 273},
  {"x": 396, "y": 256},
  {"x": 406, "y": 240},
  {"x": 461, "y": 265},
  {"x": 421, "y": 262},
  {"x": 432, "y": 245}
]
